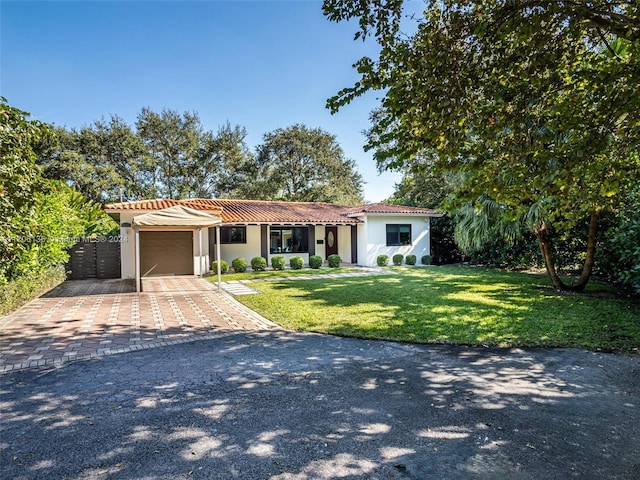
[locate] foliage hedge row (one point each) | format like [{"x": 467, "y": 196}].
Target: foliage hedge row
[{"x": 16, "y": 292}]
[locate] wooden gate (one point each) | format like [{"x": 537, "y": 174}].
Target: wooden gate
[{"x": 94, "y": 258}]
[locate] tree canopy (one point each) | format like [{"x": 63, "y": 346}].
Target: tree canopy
[
  {"x": 533, "y": 103},
  {"x": 299, "y": 163},
  {"x": 171, "y": 155}
]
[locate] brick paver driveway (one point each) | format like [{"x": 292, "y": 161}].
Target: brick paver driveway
[{"x": 90, "y": 318}]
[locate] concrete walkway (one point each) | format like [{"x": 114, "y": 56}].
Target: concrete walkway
[{"x": 91, "y": 318}]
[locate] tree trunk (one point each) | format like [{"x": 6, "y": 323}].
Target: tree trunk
[
  {"x": 547, "y": 254},
  {"x": 542, "y": 235},
  {"x": 587, "y": 268}
]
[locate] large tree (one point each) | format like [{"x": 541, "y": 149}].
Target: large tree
[
  {"x": 182, "y": 166},
  {"x": 305, "y": 164},
  {"x": 534, "y": 103},
  {"x": 104, "y": 161},
  {"x": 38, "y": 217}
]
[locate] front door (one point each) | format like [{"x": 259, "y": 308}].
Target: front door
[{"x": 331, "y": 240}]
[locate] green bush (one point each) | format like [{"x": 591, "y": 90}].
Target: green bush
[
  {"x": 334, "y": 261},
  {"x": 239, "y": 265},
  {"x": 296, "y": 263},
  {"x": 426, "y": 259},
  {"x": 278, "y": 262},
  {"x": 315, "y": 261},
  {"x": 397, "y": 259},
  {"x": 224, "y": 266},
  {"x": 382, "y": 260},
  {"x": 410, "y": 259},
  {"x": 17, "y": 292},
  {"x": 258, "y": 264}
]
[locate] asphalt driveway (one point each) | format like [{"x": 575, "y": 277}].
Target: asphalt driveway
[{"x": 282, "y": 405}]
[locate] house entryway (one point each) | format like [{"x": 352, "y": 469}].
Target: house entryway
[{"x": 331, "y": 241}]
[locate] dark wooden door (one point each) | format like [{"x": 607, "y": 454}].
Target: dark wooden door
[{"x": 331, "y": 240}]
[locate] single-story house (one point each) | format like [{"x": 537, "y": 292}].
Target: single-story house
[{"x": 178, "y": 237}]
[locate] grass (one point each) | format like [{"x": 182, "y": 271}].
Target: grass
[
  {"x": 249, "y": 275},
  {"x": 453, "y": 305}
]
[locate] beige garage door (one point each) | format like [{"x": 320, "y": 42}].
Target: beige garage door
[{"x": 166, "y": 253}]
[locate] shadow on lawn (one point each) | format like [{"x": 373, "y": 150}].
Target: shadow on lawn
[
  {"x": 287, "y": 406},
  {"x": 465, "y": 307}
]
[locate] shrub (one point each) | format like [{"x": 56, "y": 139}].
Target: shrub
[
  {"x": 258, "y": 264},
  {"x": 16, "y": 292},
  {"x": 426, "y": 259},
  {"x": 239, "y": 265},
  {"x": 397, "y": 259},
  {"x": 315, "y": 261},
  {"x": 334, "y": 261},
  {"x": 382, "y": 260},
  {"x": 410, "y": 259},
  {"x": 278, "y": 262},
  {"x": 224, "y": 266},
  {"x": 296, "y": 263}
]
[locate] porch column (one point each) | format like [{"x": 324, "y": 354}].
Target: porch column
[
  {"x": 218, "y": 257},
  {"x": 200, "y": 253},
  {"x": 138, "y": 279}
]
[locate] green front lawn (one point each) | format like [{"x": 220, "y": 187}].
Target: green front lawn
[{"x": 455, "y": 305}]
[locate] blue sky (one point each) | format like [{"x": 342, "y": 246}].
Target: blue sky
[{"x": 261, "y": 64}]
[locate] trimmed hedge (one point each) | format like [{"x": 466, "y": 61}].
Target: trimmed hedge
[
  {"x": 426, "y": 259},
  {"x": 334, "y": 261},
  {"x": 15, "y": 293},
  {"x": 397, "y": 259},
  {"x": 278, "y": 262},
  {"x": 224, "y": 266},
  {"x": 382, "y": 260},
  {"x": 296, "y": 263},
  {"x": 315, "y": 261},
  {"x": 410, "y": 259},
  {"x": 239, "y": 265},
  {"x": 258, "y": 264}
]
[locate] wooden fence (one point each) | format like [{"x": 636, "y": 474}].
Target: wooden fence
[{"x": 95, "y": 258}]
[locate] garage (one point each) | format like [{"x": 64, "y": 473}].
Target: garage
[{"x": 166, "y": 253}]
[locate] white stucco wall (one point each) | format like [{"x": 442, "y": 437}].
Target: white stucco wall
[
  {"x": 320, "y": 234},
  {"x": 373, "y": 241},
  {"x": 127, "y": 248},
  {"x": 344, "y": 243},
  {"x": 248, "y": 250}
]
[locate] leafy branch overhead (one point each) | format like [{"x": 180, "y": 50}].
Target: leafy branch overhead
[{"x": 532, "y": 103}]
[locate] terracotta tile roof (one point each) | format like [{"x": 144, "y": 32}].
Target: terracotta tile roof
[
  {"x": 391, "y": 209},
  {"x": 261, "y": 211},
  {"x": 249, "y": 211},
  {"x": 155, "y": 204}
]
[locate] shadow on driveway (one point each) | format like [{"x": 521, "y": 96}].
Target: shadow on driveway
[{"x": 282, "y": 405}]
